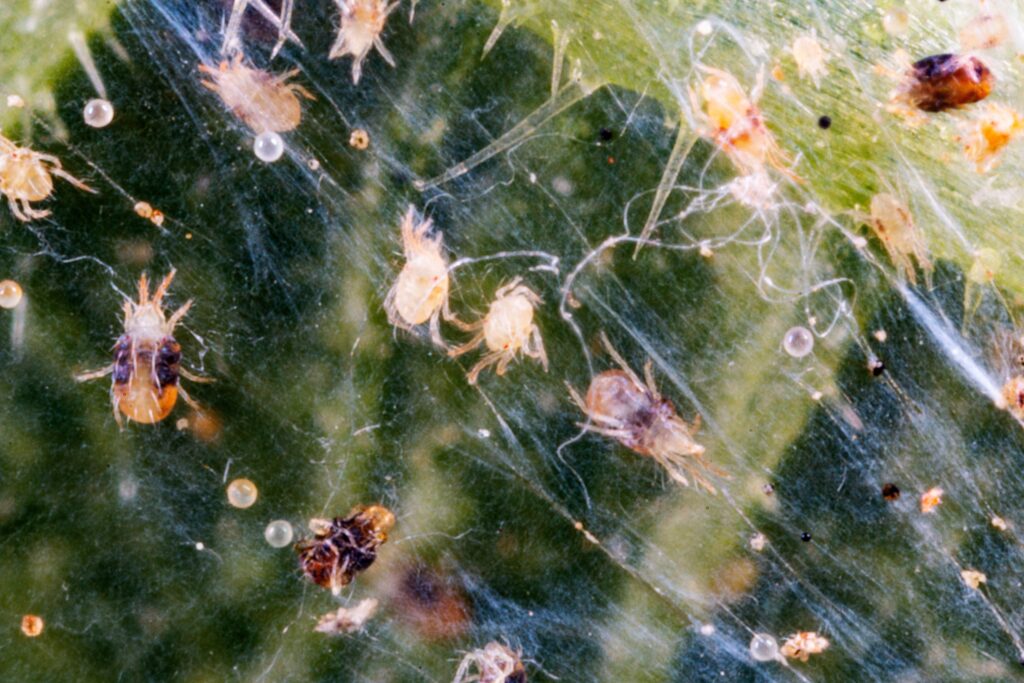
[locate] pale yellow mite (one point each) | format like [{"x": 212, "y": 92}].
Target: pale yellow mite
[
  {"x": 893, "y": 225},
  {"x": 733, "y": 122},
  {"x": 264, "y": 101},
  {"x": 27, "y": 176},
  {"x": 362, "y": 22},
  {"x": 802, "y": 645},
  {"x": 420, "y": 294},
  {"x": 984, "y": 136},
  {"x": 811, "y": 58},
  {"x": 494, "y": 663},
  {"x": 507, "y": 330}
]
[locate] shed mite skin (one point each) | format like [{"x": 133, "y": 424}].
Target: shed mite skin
[
  {"x": 802, "y": 645},
  {"x": 634, "y": 413},
  {"x": 420, "y": 294},
  {"x": 362, "y": 22},
  {"x": 344, "y": 546},
  {"x": 506, "y": 330},
  {"x": 26, "y": 176},
  {"x": 147, "y": 360},
  {"x": 264, "y": 101},
  {"x": 892, "y": 223},
  {"x": 494, "y": 663},
  {"x": 984, "y": 137},
  {"x": 733, "y": 122}
]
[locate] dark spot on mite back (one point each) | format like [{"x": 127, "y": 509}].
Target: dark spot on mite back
[{"x": 948, "y": 81}]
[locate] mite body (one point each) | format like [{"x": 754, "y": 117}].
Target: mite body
[
  {"x": 946, "y": 81},
  {"x": 734, "y": 123},
  {"x": 506, "y": 330},
  {"x": 494, "y": 663},
  {"x": 633, "y": 412},
  {"x": 420, "y": 294},
  {"x": 362, "y": 22},
  {"x": 147, "y": 360},
  {"x": 344, "y": 546},
  {"x": 263, "y": 101},
  {"x": 893, "y": 224},
  {"x": 27, "y": 176}
]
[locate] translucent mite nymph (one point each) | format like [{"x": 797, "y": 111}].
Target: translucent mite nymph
[
  {"x": 506, "y": 330},
  {"x": 27, "y": 176},
  {"x": 494, "y": 663},
  {"x": 420, "y": 294},
  {"x": 362, "y": 22},
  {"x": 344, "y": 546},
  {"x": 893, "y": 225},
  {"x": 985, "y": 136},
  {"x": 264, "y": 101},
  {"x": 147, "y": 359},
  {"x": 633, "y": 412},
  {"x": 734, "y": 123}
]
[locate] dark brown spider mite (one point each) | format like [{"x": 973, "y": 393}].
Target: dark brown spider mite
[
  {"x": 948, "y": 81},
  {"x": 344, "y": 546}
]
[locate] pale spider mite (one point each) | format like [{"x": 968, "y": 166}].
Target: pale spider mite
[
  {"x": 264, "y": 101},
  {"x": 420, "y": 294},
  {"x": 27, "y": 176},
  {"x": 147, "y": 360},
  {"x": 344, "y": 546},
  {"x": 733, "y": 122},
  {"x": 362, "y": 22},
  {"x": 634, "y": 413},
  {"x": 494, "y": 663},
  {"x": 892, "y": 223},
  {"x": 985, "y": 136},
  {"x": 506, "y": 330},
  {"x": 804, "y": 644}
]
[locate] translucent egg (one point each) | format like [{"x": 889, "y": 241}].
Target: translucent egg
[
  {"x": 278, "y": 533},
  {"x": 242, "y": 493},
  {"x": 798, "y": 342},
  {"x": 268, "y": 146},
  {"x": 764, "y": 648},
  {"x": 98, "y": 113},
  {"x": 10, "y": 294},
  {"x": 896, "y": 21}
]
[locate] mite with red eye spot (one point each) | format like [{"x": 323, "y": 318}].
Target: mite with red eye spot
[
  {"x": 147, "y": 359},
  {"x": 634, "y": 413}
]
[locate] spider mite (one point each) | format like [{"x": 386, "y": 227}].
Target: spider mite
[
  {"x": 985, "y": 136},
  {"x": 946, "y": 81},
  {"x": 892, "y": 223},
  {"x": 633, "y": 412},
  {"x": 494, "y": 663},
  {"x": 506, "y": 330},
  {"x": 362, "y": 22},
  {"x": 344, "y": 546},
  {"x": 263, "y": 101},
  {"x": 147, "y": 359},
  {"x": 804, "y": 644},
  {"x": 733, "y": 122},
  {"x": 420, "y": 293},
  {"x": 27, "y": 176}
]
